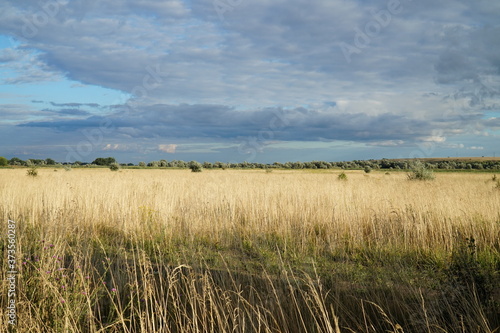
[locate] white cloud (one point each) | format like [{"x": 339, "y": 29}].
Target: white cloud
[
  {"x": 113, "y": 147},
  {"x": 387, "y": 143},
  {"x": 167, "y": 148}
]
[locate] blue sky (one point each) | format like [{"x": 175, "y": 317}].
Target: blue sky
[{"x": 261, "y": 81}]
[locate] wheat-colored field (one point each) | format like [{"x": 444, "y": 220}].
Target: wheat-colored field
[{"x": 245, "y": 250}]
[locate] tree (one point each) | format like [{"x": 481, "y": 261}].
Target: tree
[
  {"x": 220, "y": 165},
  {"x": 16, "y": 161},
  {"x": 3, "y": 161},
  {"x": 181, "y": 164},
  {"x": 104, "y": 161},
  {"x": 50, "y": 161}
]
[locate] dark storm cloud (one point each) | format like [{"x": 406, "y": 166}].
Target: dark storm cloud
[
  {"x": 223, "y": 122},
  {"x": 65, "y": 124}
]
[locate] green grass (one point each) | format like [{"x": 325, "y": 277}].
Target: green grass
[{"x": 81, "y": 270}]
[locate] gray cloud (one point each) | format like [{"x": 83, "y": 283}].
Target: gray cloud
[
  {"x": 68, "y": 111},
  {"x": 223, "y": 122},
  {"x": 75, "y": 105},
  {"x": 434, "y": 66}
]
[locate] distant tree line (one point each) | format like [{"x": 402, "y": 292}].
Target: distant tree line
[
  {"x": 345, "y": 165},
  {"x": 32, "y": 161}
]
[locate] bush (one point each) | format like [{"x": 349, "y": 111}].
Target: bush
[
  {"x": 368, "y": 169},
  {"x": 418, "y": 171},
  {"x": 114, "y": 167},
  {"x": 32, "y": 171},
  {"x": 142, "y": 164},
  {"x": 67, "y": 167},
  {"x": 3, "y": 161},
  {"x": 195, "y": 166},
  {"x": 342, "y": 176}
]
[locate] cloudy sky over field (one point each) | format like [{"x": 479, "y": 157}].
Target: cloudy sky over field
[{"x": 260, "y": 80}]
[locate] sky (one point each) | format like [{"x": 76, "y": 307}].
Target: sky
[{"x": 259, "y": 81}]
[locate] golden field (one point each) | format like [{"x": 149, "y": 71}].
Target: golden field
[{"x": 165, "y": 250}]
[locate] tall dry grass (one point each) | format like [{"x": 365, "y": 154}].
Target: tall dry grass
[{"x": 245, "y": 251}]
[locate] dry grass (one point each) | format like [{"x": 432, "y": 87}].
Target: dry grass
[{"x": 245, "y": 251}]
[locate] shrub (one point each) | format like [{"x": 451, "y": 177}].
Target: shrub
[
  {"x": 418, "y": 171},
  {"x": 114, "y": 167},
  {"x": 494, "y": 178},
  {"x": 142, "y": 164},
  {"x": 367, "y": 169},
  {"x": 67, "y": 167},
  {"x": 195, "y": 166},
  {"x": 32, "y": 171},
  {"x": 3, "y": 161},
  {"x": 342, "y": 176}
]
